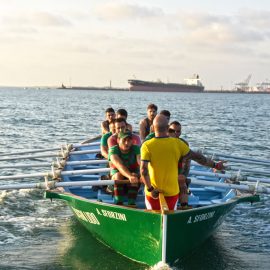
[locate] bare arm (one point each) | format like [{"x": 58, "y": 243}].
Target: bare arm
[
  {"x": 138, "y": 157},
  {"x": 142, "y": 130},
  {"x": 117, "y": 162},
  {"x": 145, "y": 174},
  {"x": 104, "y": 151},
  {"x": 104, "y": 128},
  {"x": 186, "y": 164},
  {"x": 203, "y": 160},
  {"x": 129, "y": 127}
]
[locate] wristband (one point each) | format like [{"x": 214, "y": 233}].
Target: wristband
[{"x": 150, "y": 189}]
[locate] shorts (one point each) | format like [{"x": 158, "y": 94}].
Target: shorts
[{"x": 153, "y": 204}]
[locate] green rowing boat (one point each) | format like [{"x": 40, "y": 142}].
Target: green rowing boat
[{"x": 142, "y": 235}]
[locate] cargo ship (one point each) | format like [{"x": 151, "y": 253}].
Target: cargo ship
[{"x": 192, "y": 84}]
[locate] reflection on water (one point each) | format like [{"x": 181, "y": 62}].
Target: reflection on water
[{"x": 80, "y": 250}]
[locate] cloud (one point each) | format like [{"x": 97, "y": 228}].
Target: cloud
[
  {"x": 217, "y": 30},
  {"x": 44, "y": 19},
  {"x": 116, "y": 12}
]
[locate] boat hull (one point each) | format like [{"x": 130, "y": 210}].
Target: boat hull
[
  {"x": 137, "y": 85},
  {"x": 165, "y": 89},
  {"x": 148, "y": 236}
]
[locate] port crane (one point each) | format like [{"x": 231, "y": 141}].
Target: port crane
[{"x": 244, "y": 85}]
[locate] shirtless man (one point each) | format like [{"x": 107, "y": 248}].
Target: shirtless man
[
  {"x": 146, "y": 123},
  {"x": 124, "y": 162},
  {"x": 110, "y": 115},
  {"x": 167, "y": 114}
]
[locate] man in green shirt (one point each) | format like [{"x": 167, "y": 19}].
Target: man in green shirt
[
  {"x": 125, "y": 164},
  {"x": 104, "y": 139}
]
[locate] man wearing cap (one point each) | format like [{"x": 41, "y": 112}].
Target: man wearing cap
[{"x": 124, "y": 162}]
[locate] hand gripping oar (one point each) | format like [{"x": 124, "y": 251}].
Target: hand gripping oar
[
  {"x": 65, "y": 147},
  {"x": 249, "y": 188},
  {"x": 55, "y": 184},
  {"x": 163, "y": 204},
  {"x": 232, "y": 177}
]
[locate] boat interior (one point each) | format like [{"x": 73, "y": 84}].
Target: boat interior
[{"x": 198, "y": 195}]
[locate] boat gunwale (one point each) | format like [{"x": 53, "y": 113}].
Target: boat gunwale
[{"x": 235, "y": 200}]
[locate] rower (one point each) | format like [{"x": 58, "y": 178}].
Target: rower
[
  {"x": 110, "y": 115},
  {"x": 121, "y": 125},
  {"x": 124, "y": 162},
  {"x": 104, "y": 139},
  {"x": 146, "y": 123},
  {"x": 174, "y": 131},
  {"x": 122, "y": 113},
  {"x": 167, "y": 114}
]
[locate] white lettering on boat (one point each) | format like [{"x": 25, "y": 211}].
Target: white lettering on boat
[
  {"x": 201, "y": 217},
  {"x": 111, "y": 214},
  {"x": 86, "y": 216}
]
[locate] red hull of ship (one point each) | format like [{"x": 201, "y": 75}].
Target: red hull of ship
[{"x": 164, "y": 88}]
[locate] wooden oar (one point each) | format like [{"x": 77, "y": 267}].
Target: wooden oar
[
  {"x": 58, "y": 154},
  {"x": 255, "y": 171},
  {"x": 194, "y": 181},
  {"x": 236, "y": 159},
  {"x": 47, "y": 164},
  {"x": 163, "y": 204},
  {"x": 69, "y": 146},
  {"x": 230, "y": 176},
  {"x": 55, "y": 184},
  {"x": 55, "y": 174},
  {"x": 249, "y": 188}
]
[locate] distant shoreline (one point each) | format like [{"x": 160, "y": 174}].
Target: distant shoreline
[
  {"x": 119, "y": 89},
  {"x": 126, "y": 89}
]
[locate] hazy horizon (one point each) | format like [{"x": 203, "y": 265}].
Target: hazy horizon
[{"x": 83, "y": 43}]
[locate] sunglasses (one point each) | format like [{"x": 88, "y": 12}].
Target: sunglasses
[{"x": 171, "y": 130}]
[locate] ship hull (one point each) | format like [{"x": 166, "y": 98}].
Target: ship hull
[{"x": 163, "y": 87}]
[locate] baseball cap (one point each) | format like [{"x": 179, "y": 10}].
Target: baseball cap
[{"x": 125, "y": 134}]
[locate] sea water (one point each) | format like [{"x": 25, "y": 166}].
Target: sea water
[{"x": 39, "y": 234}]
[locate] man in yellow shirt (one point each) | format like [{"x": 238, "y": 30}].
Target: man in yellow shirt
[{"x": 159, "y": 165}]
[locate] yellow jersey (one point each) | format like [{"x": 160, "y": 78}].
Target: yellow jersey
[{"x": 163, "y": 154}]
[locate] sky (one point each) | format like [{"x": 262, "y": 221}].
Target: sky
[{"x": 89, "y": 42}]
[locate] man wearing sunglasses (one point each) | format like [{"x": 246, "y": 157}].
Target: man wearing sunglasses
[{"x": 174, "y": 131}]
